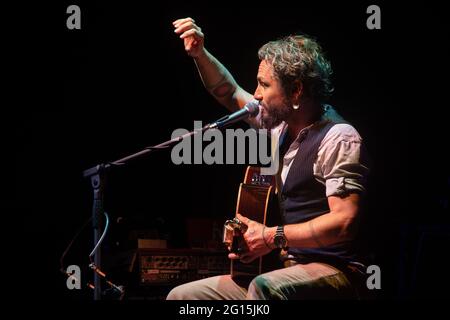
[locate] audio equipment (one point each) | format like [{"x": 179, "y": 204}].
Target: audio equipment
[{"x": 176, "y": 266}]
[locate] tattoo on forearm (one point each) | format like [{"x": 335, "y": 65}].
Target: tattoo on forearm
[
  {"x": 314, "y": 235},
  {"x": 221, "y": 89}
]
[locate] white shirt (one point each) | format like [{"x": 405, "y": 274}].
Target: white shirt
[{"x": 337, "y": 165}]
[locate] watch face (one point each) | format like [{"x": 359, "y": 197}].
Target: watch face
[{"x": 280, "y": 241}]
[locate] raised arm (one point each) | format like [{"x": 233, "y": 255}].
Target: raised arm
[{"x": 215, "y": 77}]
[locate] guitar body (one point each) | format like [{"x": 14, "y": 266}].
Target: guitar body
[{"x": 256, "y": 201}]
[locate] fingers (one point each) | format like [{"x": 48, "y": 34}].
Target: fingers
[
  {"x": 247, "y": 258},
  {"x": 243, "y": 219},
  {"x": 191, "y": 34},
  {"x": 248, "y": 230},
  {"x": 177, "y": 22},
  {"x": 184, "y": 26},
  {"x": 244, "y": 258},
  {"x": 233, "y": 256},
  {"x": 196, "y": 33}
]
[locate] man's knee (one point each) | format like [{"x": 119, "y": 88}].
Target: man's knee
[
  {"x": 177, "y": 293},
  {"x": 187, "y": 291},
  {"x": 205, "y": 289},
  {"x": 261, "y": 288},
  {"x": 265, "y": 287}
]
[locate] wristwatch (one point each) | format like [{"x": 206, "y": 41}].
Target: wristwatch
[{"x": 279, "y": 239}]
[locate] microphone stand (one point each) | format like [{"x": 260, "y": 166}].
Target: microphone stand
[{"x": 97, "y": 177}]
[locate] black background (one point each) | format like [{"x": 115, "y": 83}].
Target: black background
[{"x": 124, "y": 82}]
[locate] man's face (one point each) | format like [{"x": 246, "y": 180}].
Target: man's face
[{"x": 275, "y": 105}]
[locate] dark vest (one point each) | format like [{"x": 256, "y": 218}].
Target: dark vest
[{"x": 304, "y": 198}]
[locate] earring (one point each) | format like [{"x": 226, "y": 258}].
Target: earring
[{"x": 296, "y": 106}]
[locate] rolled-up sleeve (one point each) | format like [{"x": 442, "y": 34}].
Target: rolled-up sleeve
[{"x": 341, "y": 163}]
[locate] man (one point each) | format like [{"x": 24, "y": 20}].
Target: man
[{"x": 321, "y": 180}]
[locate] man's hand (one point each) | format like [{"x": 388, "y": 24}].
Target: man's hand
[
  {"x": 253, "y": 237},
  {"x": 192, "y": 35}
]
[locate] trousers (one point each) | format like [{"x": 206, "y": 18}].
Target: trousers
[{"x": 313, "y": 280}]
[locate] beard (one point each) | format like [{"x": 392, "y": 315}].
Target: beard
[{"x": 272, "y": 116}]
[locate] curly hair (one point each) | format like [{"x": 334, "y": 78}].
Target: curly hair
[{"x": 299, "y": 58}]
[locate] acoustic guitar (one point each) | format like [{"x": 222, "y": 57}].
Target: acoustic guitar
[{"x": 256, "y": 201}]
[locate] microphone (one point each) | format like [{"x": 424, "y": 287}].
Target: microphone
[{"x": 251, "y": 109}]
